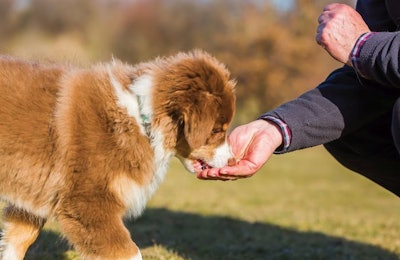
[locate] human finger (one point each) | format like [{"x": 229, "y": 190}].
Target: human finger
[
  {"x": 321, "y": 18},
  {"x": 208, "y": 173},
  {"x": 242, "y": 169},
  {"x": 213, "y": 175}
]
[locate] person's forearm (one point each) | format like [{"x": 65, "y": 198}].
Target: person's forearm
[{"x": 338, "y": 106}]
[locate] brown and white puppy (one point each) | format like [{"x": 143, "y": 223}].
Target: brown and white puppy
[{"x": 90, "y": 146}]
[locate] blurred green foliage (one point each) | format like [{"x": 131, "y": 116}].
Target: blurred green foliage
[{"x": 272, "y": 54}]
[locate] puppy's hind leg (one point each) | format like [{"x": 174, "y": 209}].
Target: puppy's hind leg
[{"x": 20, "y": 230}]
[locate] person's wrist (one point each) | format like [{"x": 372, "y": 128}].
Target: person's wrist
[
  {"x": 356, "y": 51},
  {"x": 357, "y": 45},
  {"x": 272, "y": 133},
  {"x": 285, "y": 136}
]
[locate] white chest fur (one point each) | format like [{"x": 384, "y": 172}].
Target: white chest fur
[{"x": 137, "y": 101}]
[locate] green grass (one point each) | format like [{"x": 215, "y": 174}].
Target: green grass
[{"x": 301, "y": 205}]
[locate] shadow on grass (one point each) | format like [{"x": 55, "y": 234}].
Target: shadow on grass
[
  {"x": 214, "y": 237},
  {"x": 195, "y": 237},
  {"x": 48, "y": 246}
]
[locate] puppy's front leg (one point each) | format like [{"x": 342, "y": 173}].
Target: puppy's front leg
[
  {"x": 20, "y": 230},
  {"x": 97, "y": 232}
]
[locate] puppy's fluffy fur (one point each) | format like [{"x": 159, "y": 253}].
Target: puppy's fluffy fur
[{"x": 90, "y": 146}]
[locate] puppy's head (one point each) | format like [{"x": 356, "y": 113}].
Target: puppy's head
[{"x": 201, "y": 104}]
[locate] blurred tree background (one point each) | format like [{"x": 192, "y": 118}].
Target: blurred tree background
[{"x": 270, "y": 50}]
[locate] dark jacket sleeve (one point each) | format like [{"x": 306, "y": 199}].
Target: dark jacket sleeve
[
  {"x": 379, "y": 59},
  {"x": 379, "y": 56},
  {"x": 339, "y": 105}
]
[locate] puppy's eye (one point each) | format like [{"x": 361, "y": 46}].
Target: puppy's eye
[{"x": 217, "y": 130}]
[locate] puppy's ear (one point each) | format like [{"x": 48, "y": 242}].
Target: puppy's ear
[{"x": 198, "y": 124}]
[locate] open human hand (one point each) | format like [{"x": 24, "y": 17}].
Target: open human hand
[{"x": 252, "y": 144}]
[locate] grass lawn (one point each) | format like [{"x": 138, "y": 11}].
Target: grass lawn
[{"x": 301, "y": 205}]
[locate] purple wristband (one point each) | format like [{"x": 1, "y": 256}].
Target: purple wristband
[
  {"x": 355, "y": 53},
  {"x": 285, "y": 130}
]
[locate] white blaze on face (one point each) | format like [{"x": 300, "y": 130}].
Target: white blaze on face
[
  {"x": 189, "y": 164},
  {"x": 221, "y": 156}
]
